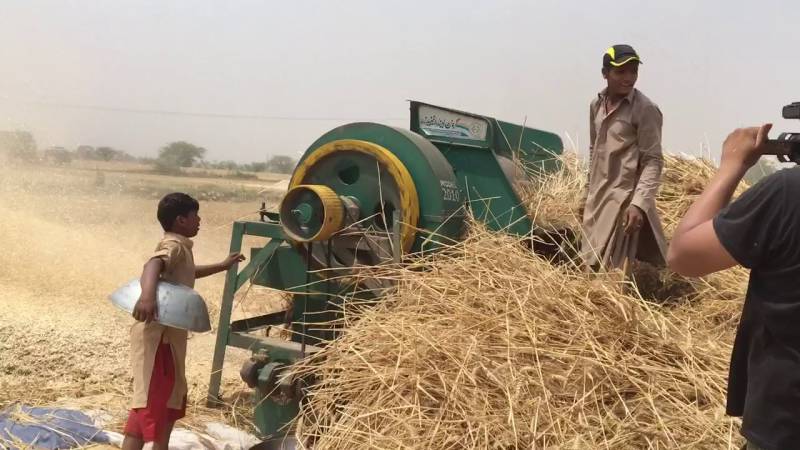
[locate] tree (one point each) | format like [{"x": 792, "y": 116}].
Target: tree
[
  {"x": 102, "y": 154},
  {"x": 58, "y": 156},
  {"x": 146, "y": 160},
  {"x": 180, "y": 154},
  {"x": 256, "y": 167},
  {"x": 107, "y": 153},
  {"x": 18, "y": 145},
  {"x": 281, "y": 164},
  {"x": 85, "y": 152},
  {"x": 227, "y": 165}
]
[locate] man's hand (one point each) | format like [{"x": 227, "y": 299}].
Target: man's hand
[
  {"x": 743, "y": 147},
  {"x": 695, "y": 249},
  {"x": 146, "y": 309},
  {"x": 634, "y": 219},
  {"x": 232, "y": 259}
]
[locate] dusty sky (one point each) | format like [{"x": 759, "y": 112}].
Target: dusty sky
[{"x": 250, "y": 79}]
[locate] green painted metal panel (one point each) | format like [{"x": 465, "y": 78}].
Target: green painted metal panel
[
  {"x": 277, "y": 349},
  {"x": 316, "y": 301},
  {"x": 271, "y": 417},
  {"x": 259, "y": 260},
  {"x": 272, "y": 230},
  {"x": 473, "y": 152},
  {"x": 538, "y": 150},
  {"x": 489, "y": 193},
  {"x": 503, "y": 138},
  {"x": 285, "y": 270}
]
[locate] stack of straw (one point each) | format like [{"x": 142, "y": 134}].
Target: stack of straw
[{"x": 491, "y": 346}]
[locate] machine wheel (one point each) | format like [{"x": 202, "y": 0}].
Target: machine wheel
[{"x": 379, "y": 186}]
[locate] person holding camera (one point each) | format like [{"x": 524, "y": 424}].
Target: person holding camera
[{"x": 757, "y": 231}]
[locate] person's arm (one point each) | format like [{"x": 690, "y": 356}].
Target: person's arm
[
  {"x": 211, "y": 269},
  {"x": 146, "y": 308},
  {"x": 696, "y": 249},
  {"x": 648, "y": 136}
]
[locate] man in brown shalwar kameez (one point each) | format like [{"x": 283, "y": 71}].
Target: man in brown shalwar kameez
[{"x": 620, "y": 221}]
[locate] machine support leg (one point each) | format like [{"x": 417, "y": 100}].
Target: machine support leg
[
  {"x": 396, "y": 245},
  {"x": 223, "y": 331}
]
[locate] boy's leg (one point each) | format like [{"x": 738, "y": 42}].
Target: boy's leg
[
  {"x": 163, "y": 442},
  {"x": 149, "y": 424},
  {"x": 132, "y": 443}
]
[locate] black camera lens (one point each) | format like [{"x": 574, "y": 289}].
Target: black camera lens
[{"x": 792, "y": 111}]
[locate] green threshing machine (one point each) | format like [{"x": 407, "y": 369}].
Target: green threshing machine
[{"x": 366, "y": 194}]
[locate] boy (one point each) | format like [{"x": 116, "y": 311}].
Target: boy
[
  {"x": 158, "y": 352},
  {"x": 620, "y": 220}
]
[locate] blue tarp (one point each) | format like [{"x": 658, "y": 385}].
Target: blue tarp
[{"x": 47, "y": 428}]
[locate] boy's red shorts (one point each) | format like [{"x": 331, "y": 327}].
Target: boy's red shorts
[{"x": 150, "y": 423}]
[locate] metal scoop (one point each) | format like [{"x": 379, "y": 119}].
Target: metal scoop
[{"x": 178, "y": 306}]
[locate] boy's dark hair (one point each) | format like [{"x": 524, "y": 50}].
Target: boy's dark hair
[{"x": 174, "y": 205}]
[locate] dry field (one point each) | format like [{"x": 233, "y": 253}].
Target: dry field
[
  {"x": 69, "y": 237},
  {"x": 489, "y": 346},
  {"x": 135, "y": 167}
]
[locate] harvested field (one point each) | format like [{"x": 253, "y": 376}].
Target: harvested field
[
  {"x": 67, "y": 243},
  {"x": 490, "y": 346}
]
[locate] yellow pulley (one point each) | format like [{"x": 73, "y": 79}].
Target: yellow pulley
[{"x": 311, "y": 212}]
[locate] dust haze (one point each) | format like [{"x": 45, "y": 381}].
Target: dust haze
[{"x": 72, "y": 235}]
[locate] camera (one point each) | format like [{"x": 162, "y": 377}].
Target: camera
[{"x": 787, "y": 146}]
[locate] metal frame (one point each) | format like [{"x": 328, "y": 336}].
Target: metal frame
[{"x": 236, "y": 334}]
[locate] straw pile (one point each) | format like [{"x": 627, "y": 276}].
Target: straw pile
[
  {"x": 491, "y": 346},
  {"x": 554, "y": 200}
]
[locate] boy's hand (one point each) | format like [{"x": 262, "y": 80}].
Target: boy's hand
[
  {"x": 204, "y": 271},
  {"x": 232, "y": 259},
  {"x": 145, "y": 310}
]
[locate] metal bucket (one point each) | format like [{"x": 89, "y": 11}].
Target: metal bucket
[{"x": 178, "y": 306}]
